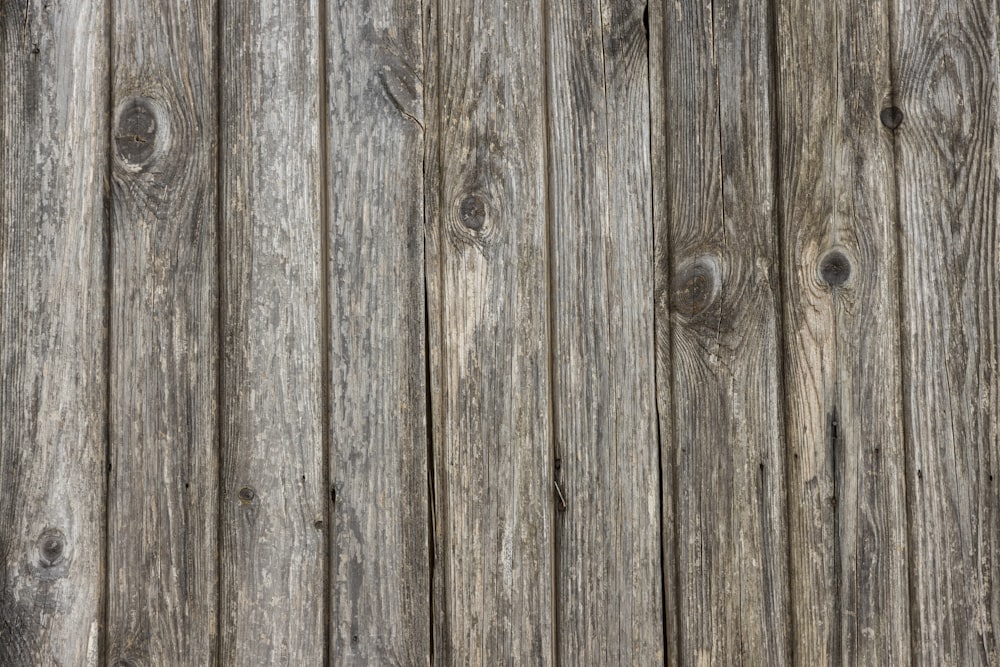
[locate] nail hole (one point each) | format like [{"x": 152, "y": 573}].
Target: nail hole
[{"x": 246, "y": 495}]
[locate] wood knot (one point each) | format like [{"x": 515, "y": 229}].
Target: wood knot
[
  {"x": 891, "y": 117},
  {"x": 472, "y": 212},
  {"x": 835, "y": 268},
  {"x": 696, "y": 286},
  {"x": 246, "y": 495},
  {"x": 135, "y": 136},
  {"x": 51, "y": 547}
]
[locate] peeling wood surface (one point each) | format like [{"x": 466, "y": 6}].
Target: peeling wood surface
[
  {"x": 465, "y": 332},
  {"x": 273, "y": 502},
  {"x": 53, "y": 346}
]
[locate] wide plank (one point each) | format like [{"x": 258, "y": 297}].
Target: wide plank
[
  {"x": 607, "y": 530},
  {"x": 380, "y": 567},
  {"x": 717, "y": 292},
  {"x": 945, "y": 70},
  {"x": 53, "y": 336},
  {"x": 273, "y": 498},
  {"x": 488, "y": 318},
  {"x": 162, "y": 511},
  {"x": 847, "y": 500}
]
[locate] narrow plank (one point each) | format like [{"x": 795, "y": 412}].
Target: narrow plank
[
  {"x": 847, "y": 511},
  {"x": 945, "y": 69},
  {"x": 162, "y": 549},
  {"x": 273, "y": 498},
  {"x": 380, "y": 569},
  {"x": 488, "y": 317},
  {"x": 53, "y": 275},
  {"x": 717, "y": 283},
  {"x": 656, "y": 13},
  {"x": 607, "y": 462}
]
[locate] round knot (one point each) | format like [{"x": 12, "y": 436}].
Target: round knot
[
  {"x": 696, "y": 285},
  {"x": 246, "y": 495},
  {"x": 135, "y": 136},
  {"x": 891, "y": 117},
  {"x": 472, "y": 212},
  {"x": 835, "y": 268},
  {"x": 51, "y": 547}
]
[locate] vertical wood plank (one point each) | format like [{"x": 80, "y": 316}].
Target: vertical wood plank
[
  {"x": 607, "y": 458},
  {"x": 487, "y": 278},
  {"x": 163, "y": 481},
  {"x": 717, "y": 282},
  {"x": 945, "y": 69},
  {"x": 380, "y": 569},
  {"x": 273, "y": 498},
  {"x": 53, "y": 273},
  {"x": 845, "y": 449},
  {"x": 662, "y": 331}
]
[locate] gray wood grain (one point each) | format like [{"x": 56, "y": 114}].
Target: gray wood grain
[
  {"x": 662, "y": 330},
  {"x": 945, "y": 69},
  {"x": 380, "y": 568},
  {"x": 162, "y": 517},
  {"x": 273, "y": 498},
  {"x": 847, "y": 511},
  {"x": 487, "y": 271},
  {"x": 53, "y": 272},
  {"x": 717, "y": 282},
  {"x": 607, "y": 455}
]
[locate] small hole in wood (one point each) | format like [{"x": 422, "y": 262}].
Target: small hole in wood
[{"x": 246, "y": 495}]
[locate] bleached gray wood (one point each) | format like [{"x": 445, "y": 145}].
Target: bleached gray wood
[
  {"x": 53, "y": 273},
  {"x": 488, "y": 314},
  {"x": 609, "y": 598},
  {"x": 273, "y": 498},
  {"x": 162, "y": 512},
  {"x": 718, "y": 283},
  {"x": 945, "y": 71},
  {"x": 662, "y": 334},
  {"x": 380, "y": 567},
  {"x": 847, "y": 501}
]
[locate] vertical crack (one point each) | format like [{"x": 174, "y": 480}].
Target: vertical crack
[{"x": 324, "y": 280}]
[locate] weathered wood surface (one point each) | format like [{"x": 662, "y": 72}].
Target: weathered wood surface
[
  {"x": 380, "y": 568},
  {"x": 717, "y": 294},
  {"x": 469, "y": 332},
  {"x": 162, "y": 511},
  {"x": 606, "y": 463},
  {"x": 844, "y": 448},
  {"x": 53, "y": 380},
  {"x": 487, "y": 270},
  {"x": 273, "y": 498},
  {"x": 945, "y": 72}
]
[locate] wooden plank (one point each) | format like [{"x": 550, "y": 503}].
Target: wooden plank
[
  {"x": 662, "y": 330},
  {"x": 380, "y": 569},
  {"x": 945, "y": 69},
  {"x": 609, "y": 604},
  {"x": 53, "y": 274},
  {"x": 488, "y": 316},
  {"x": 162, "y": 549},
  {"x": 717, "y": 282},
  {"x": 847, "y": 512},
  {"x": 273, "y": 500}
]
